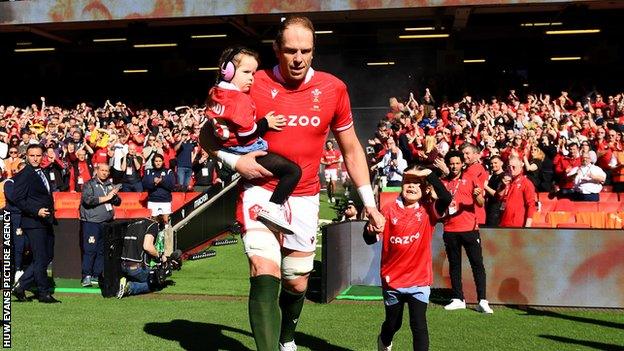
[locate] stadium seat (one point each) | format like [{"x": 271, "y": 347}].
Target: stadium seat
[
  {"x": 581, "y": 206},
  {"x": 607, "y": 206},
  {"x": 608, "y": 197},
  {"x": 190, "y": 196},
  {"x": 565, "y": 205},
  {"x": 67, "y": 213},
  {"x": 132, "y": 200},
  {"x": 555, "y": 218},
  {"x": 547, "y": 205},
  {"x": 66, "y": 200},
  {"x": 137, "y": 213},
  {"x": 177, "y": 200},
  {"x": 542, "y": 196}
]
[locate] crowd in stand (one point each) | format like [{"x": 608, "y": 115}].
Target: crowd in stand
[
  {"x": 131, "y": 142},
  {"x": 568, "y": 148}
]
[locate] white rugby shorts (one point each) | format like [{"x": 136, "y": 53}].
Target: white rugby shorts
[
  {"x": 301, "y": 212},
  {"x": 331, "y": 174},
  {"x": 159, "y": 208}
]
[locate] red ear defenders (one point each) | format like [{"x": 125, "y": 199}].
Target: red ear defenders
[{"x": 228, "y": 69}]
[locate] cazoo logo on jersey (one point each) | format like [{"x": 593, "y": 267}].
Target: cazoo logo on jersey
[{"x": 303, "y": 121}]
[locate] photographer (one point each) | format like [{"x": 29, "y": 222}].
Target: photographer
[
  {"x": 139, "y": 253},
  {"x": 99, "y": 195}
]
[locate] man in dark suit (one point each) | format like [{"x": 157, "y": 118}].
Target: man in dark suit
[{"x": 34, "y": 199}]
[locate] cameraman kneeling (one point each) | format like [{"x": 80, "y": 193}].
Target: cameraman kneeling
[{"x": 138, "y": 254}]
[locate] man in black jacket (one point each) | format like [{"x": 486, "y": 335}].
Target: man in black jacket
[{"x": 33, "y": 197}]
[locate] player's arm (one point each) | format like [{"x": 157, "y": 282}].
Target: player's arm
[
  {"x": 246, "y": 165},
  {"x": 355, "y": 161}
]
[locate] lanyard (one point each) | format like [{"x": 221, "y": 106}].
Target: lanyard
[{"x": 453, "y": 192}]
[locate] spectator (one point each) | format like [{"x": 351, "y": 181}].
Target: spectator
[
  {"x": 476, "y": 171},
  {"x": 517, "y": 196},
  {"x": 350, "y": 213},
  {"x": 98, "y": 197},
  {"x": 492, "y": 202},
  {"x": 12, "y": 162},
  {"x": 185, "y": 154},
  {"x": 538, "y": 169},
  {"x": 392, "y": 164},
  {"x": 131, "y": 169},
  {"x": 588, "y": 180},
  {"x": 55, "y": 169},
  {"x": 80, "y": 171},
  {"x": 461, "y": 229},
  {"x": 153, "y": 148},
  {"x": 204, "y": 170},
  {"x": 159, "y": 183},
  {"x": 564, "y": 162}
]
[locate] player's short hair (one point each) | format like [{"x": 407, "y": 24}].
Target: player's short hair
[
  {"x": 294, "y": 21},
  {"x": 453, "y": 153}
]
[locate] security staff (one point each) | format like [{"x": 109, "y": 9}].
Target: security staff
[
  {"x": 99, "y": 195},
  {"x": 33, "y": 197}
]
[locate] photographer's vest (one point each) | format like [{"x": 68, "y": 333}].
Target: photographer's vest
[{"x": 133, "y": 239}]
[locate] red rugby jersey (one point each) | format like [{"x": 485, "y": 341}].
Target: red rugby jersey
[
  {"x": 331, "y": 156},
  {"x": 321, "y": 102},
  {"x": 477, "y": 172},
  {"x": 406, "y": 250},
  {"x": 465, "y": 219},
  {"x": 233, "y": 115}
]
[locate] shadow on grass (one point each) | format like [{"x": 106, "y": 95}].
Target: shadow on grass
[
  {"x": 440, "y": 296},
  {"x": 314, "y": 343},
  {"x": 593, "y": 344},
  {"x": 530, "y": 311},
  {"x": 196, "y": 335}
]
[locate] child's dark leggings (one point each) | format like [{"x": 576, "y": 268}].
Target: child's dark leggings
[
  {"x": 418, "y": 322},
  {"x": 287, "y": 171}
]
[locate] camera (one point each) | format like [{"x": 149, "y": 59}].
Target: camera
[{"x": 160, "y": 272}]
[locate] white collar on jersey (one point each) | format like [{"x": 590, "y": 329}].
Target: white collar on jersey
[
  {"x": 399, "y": 201},
  {"x": 278, "y": 75},
  {"x": 227, "y": 85}
]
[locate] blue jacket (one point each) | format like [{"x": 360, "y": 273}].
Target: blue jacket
[
  {"x": 160, "y": 192},
  {"x": 31, "y": 195}
]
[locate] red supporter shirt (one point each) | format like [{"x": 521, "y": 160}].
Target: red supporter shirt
[
  {"x": 562, "y": 165},
  {"x": 81, "y": 178},
  {"x": 519, "y": 202},
  {"x": 100, "y": 156},
  {"x": 321, "y": 102},
  {"x": 330, "y": 156},
  {"x": 233, "y": 115},
  {"x": 480, "y": 175},
  {"x": 406, "y": 250},
  {"x": 464, "y": 219}
]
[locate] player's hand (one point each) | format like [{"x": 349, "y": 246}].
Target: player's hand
[
  {"x": 43, "y": 212},
  {"x": 249, "y": 168},
  {"x": 376, "y": 221},
  {"x": 276, "y": 122}
]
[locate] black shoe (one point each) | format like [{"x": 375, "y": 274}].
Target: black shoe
[
  {"x": 19, "y": 293},
  {"x": 47, "y": 298}
]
